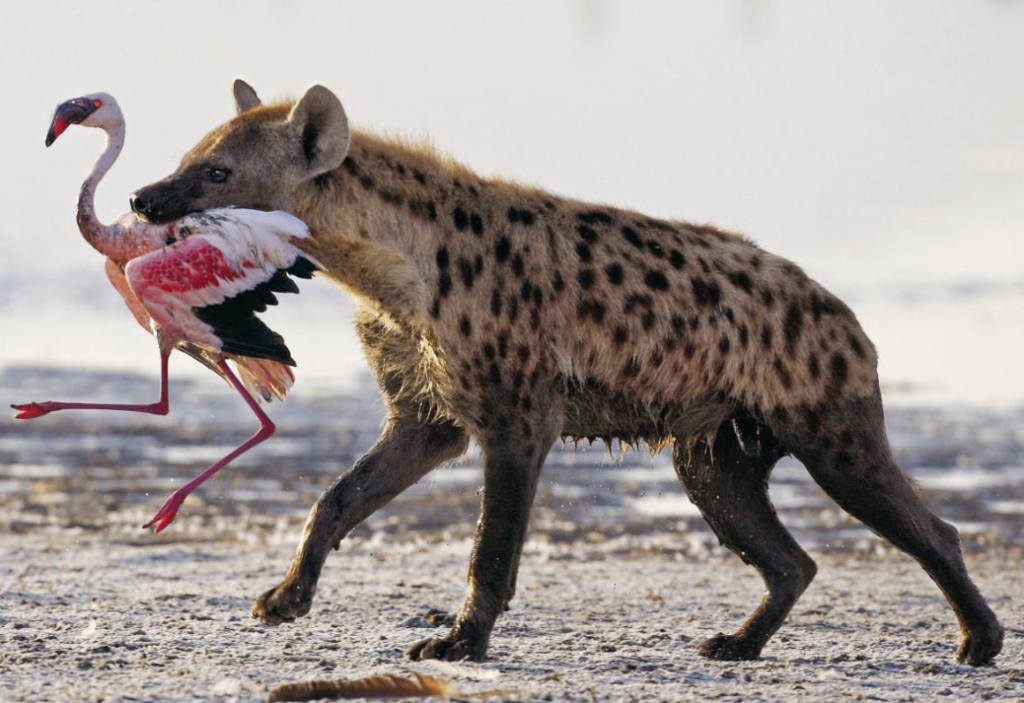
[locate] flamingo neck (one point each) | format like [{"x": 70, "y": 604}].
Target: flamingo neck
[{"x": 103, "y": 238}]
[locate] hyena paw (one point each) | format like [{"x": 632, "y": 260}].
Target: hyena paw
[
  {"x": 728, "y": 648},
  {"x": 453, "y": 647},
  {"x": 283, "y": 603},
  {"x": 979, "y": 649}
]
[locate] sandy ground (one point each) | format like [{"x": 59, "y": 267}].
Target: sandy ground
[{"x": 86, "y": 619}]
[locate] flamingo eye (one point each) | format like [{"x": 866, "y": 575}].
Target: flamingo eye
[
  {"x": 219, "y": 175},
  {"x": 97, "y": 104}
]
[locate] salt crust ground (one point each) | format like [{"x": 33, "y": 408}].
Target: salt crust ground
[{"x": 82, "y": 619}]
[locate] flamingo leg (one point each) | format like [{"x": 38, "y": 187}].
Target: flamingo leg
[
  {"x": 166, "y": 514},
  {"x": 29, "y": 411}
]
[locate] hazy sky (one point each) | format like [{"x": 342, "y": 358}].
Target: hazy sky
[{"x": 874, "y": 142}]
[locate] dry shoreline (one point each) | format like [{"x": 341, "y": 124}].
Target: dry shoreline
[{"x": 85, "y": 619}]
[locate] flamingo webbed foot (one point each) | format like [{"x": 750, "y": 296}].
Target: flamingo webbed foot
[
  {"x": 166, "y": 514},
  {"x": 29, "y": 411}
]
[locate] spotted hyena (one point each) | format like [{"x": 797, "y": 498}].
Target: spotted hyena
[{"x": 514, "y": 316}]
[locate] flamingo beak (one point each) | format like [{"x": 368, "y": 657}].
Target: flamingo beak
[{"x": 67, "y": 114}]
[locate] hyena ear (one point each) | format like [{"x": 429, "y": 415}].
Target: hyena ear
[
  {"x": 245, "y": 96},
  {"x": 319, "y": 121}
]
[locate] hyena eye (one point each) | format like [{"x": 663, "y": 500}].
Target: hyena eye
[{"x": 219, "y": 175}]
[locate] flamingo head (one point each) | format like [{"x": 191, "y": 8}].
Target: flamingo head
[{"x": 93, "y": 110}]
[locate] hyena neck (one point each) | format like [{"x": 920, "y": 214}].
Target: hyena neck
[{"x": 380, "y": 218}]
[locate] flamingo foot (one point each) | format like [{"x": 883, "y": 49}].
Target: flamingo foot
[
  {"x": 28, "y": 411},
  {"x": 165, "y": 515}
]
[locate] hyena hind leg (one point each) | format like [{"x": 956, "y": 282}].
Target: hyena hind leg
[
  {"x": 845, "y": 449},
  {"x": 728, "y": 482}
]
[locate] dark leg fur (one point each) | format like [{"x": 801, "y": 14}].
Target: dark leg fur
[
  {"x": 845, "y": 449},
  {"x": 728, "y": 481},
  {"x": 512, "y": 465},
  {"x": 406, "y": 450}
]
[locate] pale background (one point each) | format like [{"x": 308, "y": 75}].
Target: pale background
[{"x": 878, "y": 144}]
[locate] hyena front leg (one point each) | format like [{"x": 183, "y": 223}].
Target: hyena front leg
[
  {"x": 514, "y": 448},
  {"x": 728, "y": 481},
  {"x": 406, "y": 450}
]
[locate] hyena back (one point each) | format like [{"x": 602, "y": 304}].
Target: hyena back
[{"x": 513, "y": 316}]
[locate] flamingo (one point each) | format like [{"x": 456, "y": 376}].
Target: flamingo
[{"x": 195, "y": 284}]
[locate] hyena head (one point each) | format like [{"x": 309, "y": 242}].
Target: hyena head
[{"x": 256, "y": 160}]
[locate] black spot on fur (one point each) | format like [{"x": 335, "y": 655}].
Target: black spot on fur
[
  {"x": 351, "y": 165},
  {"x": 585, "y": 278},
  {"x": 742, "y": 281},
  {"x": 655, "y": 248},
  {"x": 631, "y": 369},
  {"x": 656, "y": 280},
  {"x": 494, "y": 374},
  {"x": 538, "y": 296},
  {"x": 593, "y": 217},
  {"x": 442, "y": 258},
  {"x": 534, "y": 318},
  {"x": 523, "y": 352},
  {"x": 366, "y": 182},
  {"x": 648, "y": 319},
  {"x": 478, "y": 264},
  {"x": 724, "y": 344},
  {"x": 706, "y": 293},
  {"x": 526, "y": 291},
  {"x": 620, "y": 336},
  {"x": 677, "y": 259},
  {"x": 476, "y": 223},
  {"x": 502, "y": 250},
  {"x": 466, "y": 272},
  {"x": 839, "y": 370},
  {"x": 632, "y": 237},
  {"x": 513, "y": 308},
  {"x": 768, "y": 297},
  {"x": 473, "y": 190},
  {"x": 419, "y": 176},
  {"x": 435, "y": 309},
  {"x": 793, "y": 325},
  {"x": 461, "y": 219},
  {"x": 591, "y": 308},
  {"x": 558, "y": 283},
  {"x": 390, "y": 197},
  {"x": 767, "y": 335},
  {"x": 744, "y": 336},
  {"x": 518, "y": 215},
  {"x": 678, "y": 324},
  {"x": 489, "y": 350},
  {"x": 583, "y": 251},
  {"x": 614, "y": 273},
  {"x": 517, "y": 265},
  {"x": 465, "y": 327},
  {"x": 495, "y": 302},
  {"x": 587, "y": 233},
  {"x": 814, "y": 367},
  {"x": 635, "y": 302},
  {"x": 444, "y": 284},
  {"x": 783, "y": 373},
  {"x": 855, "y": 344},
  {"x": 503, "y": 345}
]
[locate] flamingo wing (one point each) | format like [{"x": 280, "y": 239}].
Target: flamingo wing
[
  {"x": 120, "y": 283},
  {"x": 226, "y": 266}
]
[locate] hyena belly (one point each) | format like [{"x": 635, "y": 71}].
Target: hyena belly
[{"x": 594, "y": 411}]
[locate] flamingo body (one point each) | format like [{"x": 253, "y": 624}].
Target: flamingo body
[{"x": 196, "y": 283}]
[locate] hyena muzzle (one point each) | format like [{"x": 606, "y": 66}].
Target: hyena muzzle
[{"x": 514, "y": 316}]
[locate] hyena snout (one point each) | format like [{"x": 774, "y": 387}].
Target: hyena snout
[{"x": 164, "y": 202}]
